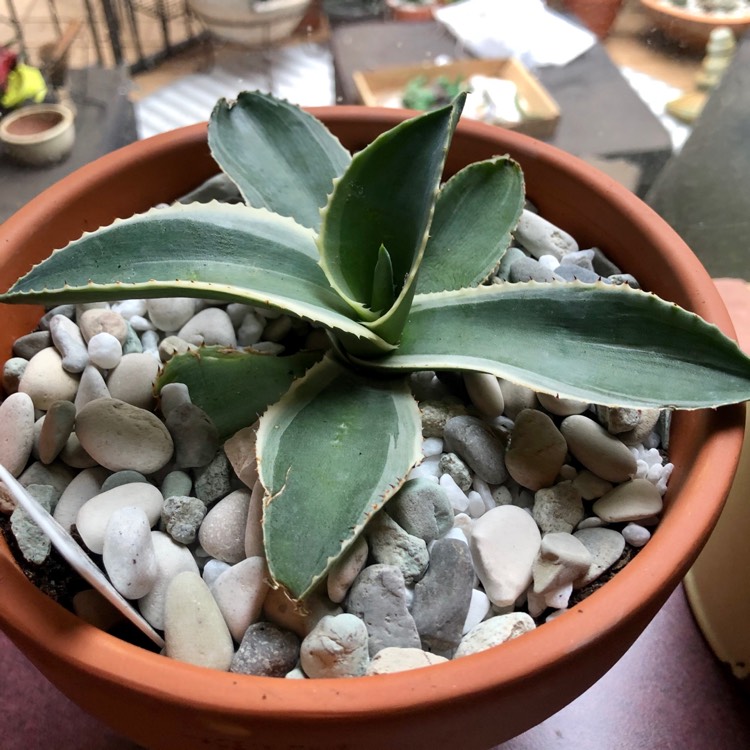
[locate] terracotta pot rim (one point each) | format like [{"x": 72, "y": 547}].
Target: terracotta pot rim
[{"x": 639, "y": 586}]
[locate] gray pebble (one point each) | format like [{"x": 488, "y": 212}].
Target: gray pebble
[
  {"x": 69, "y": 311},
  {"x": 239, "y": 592},
  {"x": 120, "y": 436},
  {"x": 476, "y": 444},
  {"x": 266, "y": 651},
  {"x": 344, "y": 571},
  {"x": 32, "y": 343},
  {"x": 581, "y": 259},
  {"x": 213, "y": 481},
  {"x": 517, "y": 398},
  {"x": 16, "y": 432},
  {"x": 422, "y": 508},
  {"x": 452, "y": 465},
  {"x": 132, "y": 344},
  {"x": 181, "y": 517},
  {"x": 56, "y": 428},
  {"x": 537, "y": 450},
  {"x": 597, "y": 450},
  {"x": 13, "y": 369},
  {"x": 577, "y": 273},
  {"x": 128, "y": 476},
  {"x": 195, "y": 436},
  {"x": 67, "y": 338},
  {"x": 562, "y": 559},
  {"x": 176, "y": 483},
  {"x": 391, "y": 545},
  {"x": 378, "y": 597},
  {"x": 34, "y": 544},
  {"x": 558, "y": 508},
  {"x": 511, "y": 255},
  {"x": 442, "y": 597},
  {"x": 91, "y": 387},
  {"x": 527, "y": 269},
  {"x": 602, "y": 264},
  {"x": 606, "y": 547},
  {"x": 624, "y": 278},
  {"x": 171, "y": 396},
  {"x": 222, "y": 533}
]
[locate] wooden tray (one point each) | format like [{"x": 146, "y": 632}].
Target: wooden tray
[{"x": 383, "y": 88}]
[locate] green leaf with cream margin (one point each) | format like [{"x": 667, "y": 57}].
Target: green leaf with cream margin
[
  {"x": 228, "y": 252},
  {"x": 280, "y": 157},
  {"x": 217, "y": 379},
  {"x": 330, "y": 453},
  {"x": 609, "y": 345},
  {"x": 386, "y": 199}
]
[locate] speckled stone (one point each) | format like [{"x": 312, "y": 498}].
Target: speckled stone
[
  {"x": 391, "y": 545},
  {"x": 558, "y": 508},
  {"x": 266, "y": 651},
  {"x": 493, "y": 632},
  {"x": 475, "y": 443},
  {"x": 422, "y": 508},
  {"x": 336, "y": 647}
]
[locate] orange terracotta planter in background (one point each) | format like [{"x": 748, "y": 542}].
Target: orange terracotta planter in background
[{"x": 474, "y": 702}]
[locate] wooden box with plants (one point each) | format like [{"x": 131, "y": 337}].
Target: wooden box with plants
[{"x": 403, "y": 419}]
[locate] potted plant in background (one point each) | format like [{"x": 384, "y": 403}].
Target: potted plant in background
[
  {"x": 116, "y": 681},
  {"x": 413, "y": 10},
  {"x": 251, "y": 24}
]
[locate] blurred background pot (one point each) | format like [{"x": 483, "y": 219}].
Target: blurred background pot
[
  {"x": 38, "y": 134},
  {"x": 472, "y": 702},
  {"x": 718, "y": 585},
  {"x": 250, "y": 23}
]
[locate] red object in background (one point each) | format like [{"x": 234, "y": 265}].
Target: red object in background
[{"x": 8, "y": 62}]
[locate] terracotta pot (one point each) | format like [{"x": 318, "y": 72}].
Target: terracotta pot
[
  {"x": 473, "y": 702},
  {"x": 597, "y": 15},
  {"x": 688, "y": 28}
]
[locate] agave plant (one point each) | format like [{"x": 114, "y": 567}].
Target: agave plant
[{"x": 391, "y": 262}]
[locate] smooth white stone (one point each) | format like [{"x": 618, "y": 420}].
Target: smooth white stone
[
  {"x": 240, "y": 592},
  {"x": 93, "y": 516},
  {"x": 194, "y": 628},
  {"x": 504, "y": 544},
  {"x": 562, "y": 559},
  {"x": 104, "y": 350},
  {"x": 250, "y": 330},
  {"x": 479, "y": 607},
  {"x": 171, "y": 559},
  {"x": 130, "y": 307},
  {"x": 432, "y": 447},
  {"x": 558, "y": 598},
  {"x": 493, "y": 632},
  {"x": 211, "y": 326},
  {"x": 45, "y": 380},
  {"x": 170, "y": 313},
  {"x": 636, "y": 535},
  {"x": 476, "y": 505},
  {"x": 16, "y": 432},
  {"x": 139, "y": 324},
  {"x": 132, "y": 380},
  {"x": 67, "y": 338},
  {"x": 336, "y": 647},
  {"x": 606, "y": 547},
  {"x": 393, "y": 659},
  {"x": 456, "y": 495},
  {"x": 629, "y": 501},
  {"x": 128, "y": 552},
  {"x": 222, "y": 533},
  {"x": 85, "y": 485},
  {"x": 457, "y": 533}
]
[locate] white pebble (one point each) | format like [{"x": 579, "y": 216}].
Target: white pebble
[
  {"x": 128, "y": 552},
  {"x": 476, "y": 504},
  {"x": 479, "y": 608},
  {"x": 457, "y": 533},
  {"x": 129, "y": 307},
  {"x": 549, "y": 261},
  {"x": 432, "y": 446},
  {"x": 250, "y": 330},
  {"x": 213, "y": 569},
  {"x": 140, "y": 324},
  {"x": 636, "y": 535},
  {"x": 105, "y": 350},
  {"x": 458, "y": 499},
  {"x": 558, "y": 598}
]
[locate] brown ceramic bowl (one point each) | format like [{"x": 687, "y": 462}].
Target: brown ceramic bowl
[
  {"x": 692, "y": 29},
  {"x": 473, "y": 702}
]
